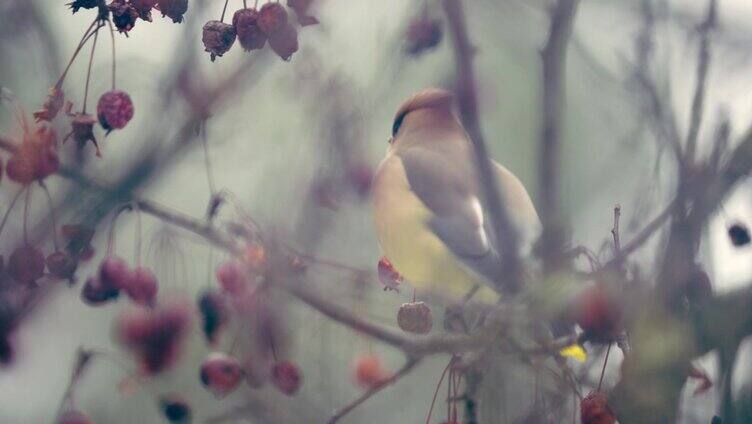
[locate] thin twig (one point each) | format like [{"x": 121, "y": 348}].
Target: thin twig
[
  {"x": 703, "y": 63},
  {"x": 615, "y": 230}
]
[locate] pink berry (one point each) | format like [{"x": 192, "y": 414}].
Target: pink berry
[
  {"x": 284, "y": 42},
  {"x": 249, "y": 33},
  {"x": 233, "y": 277},
  {"x": 221, "y": 373},
  {"x": 74, "y": 417},
  {"x": 115, "y": 273},
  {"x": 369, "y": 372},
  {"x": 26, "y": 265},
  {"x": 95, "y": 293},
  {"x": 20, "y": 169},
  {"x": 423, "y": 34},
  {"x": 115, "y": 110},
  {"x": 272, "y": 18},
  {"x": 286, "y": 377},
  {"x": 142, "y": 287}
]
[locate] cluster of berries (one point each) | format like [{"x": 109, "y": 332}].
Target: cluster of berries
[
  {"x": 115, "y": 276},
  {"x": 253, "y": 28},
  {"x": 125, "y": 13}
]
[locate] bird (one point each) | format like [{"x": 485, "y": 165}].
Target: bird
[{"x": 430, "y": 219}]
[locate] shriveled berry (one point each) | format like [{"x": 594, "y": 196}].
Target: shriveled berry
[
  {"x": 221, "y": 373},
  {"x": 143, "y": 7},
  {"x": 115, "y": 110},
  {"x": 285, "y": 41},
  {"x": 233, "y": 277},
  {"x": 83, "y": 4},
  {"x": 175, "y": 409},
  {"x": 77, "y": 237},
  {"x": 214, "y": 314},
  {"x": 415, "y": 317},
  {"x": 51, "y": 107},
  {"x": 388, "y": 275},
  {"x": 369, "y": 372},
  {"x": 82, "y": 130},
  {"x": 155, "y": 336},
  {"x": 218, "y": 38},
  {"x": 20, "y": 169},
  {"x": 61, "y": 265},
  {"x": 74, "y": 417},
  {"x": 124, "y": 15},
  {"x": 286, "y": 377},
  {"x": 173, "y": 9},
  {"x": 114, "y": 272},
  {"x": 142, "y": 286},
  {"x": 249, "y": 33},
  {"x": 95, "y": 293},
  {"x": 739, "y": 234},
  {"x": 272, "y": 18},
  {"x": 594, "y": 409},
  {"x": 599, "y": 314},
  {"x": 26, "y": 264},
  {"x": 422, "y": 34}
]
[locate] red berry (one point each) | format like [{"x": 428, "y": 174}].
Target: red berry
[
  {"x": 598, "y": 314},
  {"x": 415, "y": 317},
  {"x": 96, "y": 293},
  {"x": 26, "y": 265},
  {"x": 173, "y": 9},
  {"x": 284, "y": 42},
  {"x": 124, "y": 15},
  {"x": 142, "y": 286},
  {"x": 51, "y": 107},
  {"x": 388, "y": 275},
  {"x": 218, "y": 38},
  {"x": 214, "y": 314},
  {"x": 114, "y": 272},
  {"x": 61, "y": 265},
  {"x": 221, "y": 373},
  {"x": 155, "y": 336},
  {"x": 369, "y": 372},
  {"x": 594, "y": 409},
  {"x": 249, "y": 34},
  {"x": 286, "y": 377},
  {"x": 233, "y": 277},
  {"x": 272, "y": 18},
  {"x": 20, "y": 169},
  {"x": 115, "y": 110},
  {"x": 176, "y": 410},
  {"x": 423, "y": 34},
  {"x": 74, "y": 417},
  {"x": 143, "y": 7}
]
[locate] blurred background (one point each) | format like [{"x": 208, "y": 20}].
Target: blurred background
[{"x": 294, "y": 140}]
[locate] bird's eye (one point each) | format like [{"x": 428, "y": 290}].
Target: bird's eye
[{"x": 398, "y": 123}]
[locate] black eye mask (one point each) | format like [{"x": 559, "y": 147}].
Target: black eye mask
[{"x": 398, "y": 123}]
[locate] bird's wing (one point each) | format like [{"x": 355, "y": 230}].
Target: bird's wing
[{"x": 445, "y": 184}]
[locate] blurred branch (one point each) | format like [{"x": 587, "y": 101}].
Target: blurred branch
[
  {"x": 409, "y": 365},
  {"x": 703, "y": 62},
  {"x": 504, "y": 234},
  {"x": 553, "y": 81}
]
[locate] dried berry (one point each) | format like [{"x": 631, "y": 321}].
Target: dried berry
[
  {"x": 599, "y": 314},
  {"x": 115, "y": 110},
  {"x": 388, "y": 275},
  {"x": 221, "y": 373},
  {"x": 249, "y": 33},
  {"x": 594, "y": 409},
  {"x": 155, "y": 336},
  {"x": 218, "y": 38},
  {"x": 61, "y": 265},
  {"x": 422, "y": 34},
  {"x": 83, "y": 4},
  {"x": 20, "y": 169},
  {"x": 82, "y": 130},
  {"x": 301, "y": 7},
  {"x": 95, "y": 293},
  {"x": 214, "y": 315},
  {"x": 233, "y": 277},
  {"x": 739, "y": 234},
  {"x": 272, "y": 18},
  {"x": 74, "y": 417},
  {"x": 369, "y": 373},
  {"x": 51, "y": 107},
  {"x": 78, "y": 238},
  {"x": 143, "y": 7},
  {"x": 284, "y": 42},
  {"x": 124, "y": 15},
  {"x": 286, "y": 377},
  {"x": 175, "y": 409},
  {"x": 114, "y": 272},
  {"x": 415, "y": 317},
  {"x": 173, "y": 9},
  {"x": 26, "y": 265},
  {"x": 142, "y": 286}
]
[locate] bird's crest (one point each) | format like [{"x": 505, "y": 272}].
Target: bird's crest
[{"x": 428, "y": 98}]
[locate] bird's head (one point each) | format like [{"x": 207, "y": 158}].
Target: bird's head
[{"x": 423, "y": 116}]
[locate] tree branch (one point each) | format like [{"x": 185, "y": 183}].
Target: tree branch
[{"x": 703, "y": 63}]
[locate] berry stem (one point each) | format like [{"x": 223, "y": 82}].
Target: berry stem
[
  {"x": 88, "y": 72},
  {"x": 138, "y": 234},
  {"x": 450, "y": 380},
  {"x": 111, "y": 235},
  {"x": 245, "y": 4},
  {"x": 208, "y": 164},
  {"x": 27, "y": 202},
  {"x": 10, "y": 208},
  {"x": 603, "y": 370},
  {"x": 224, "y": 10},
  {"x": 84, "y": 39},
  {"x": 114, "y": 61},
  {"x": 438, "y": 386},
  {"x": 55, "y": 242}
]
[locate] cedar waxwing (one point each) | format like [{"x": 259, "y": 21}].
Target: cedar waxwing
[{"x": 430, "y": 220}]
